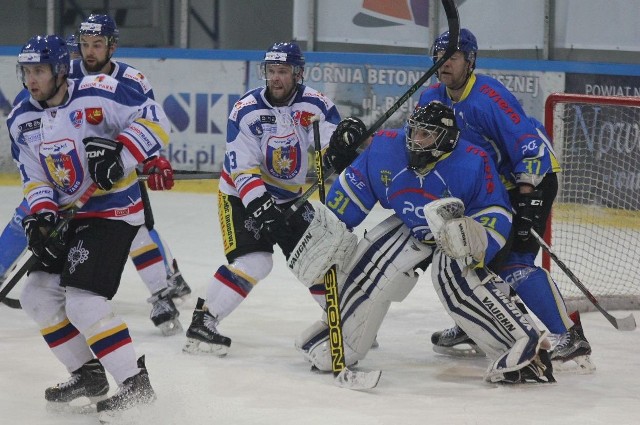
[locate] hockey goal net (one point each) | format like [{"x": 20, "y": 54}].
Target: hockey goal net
[{"x": 595, "y": 224}]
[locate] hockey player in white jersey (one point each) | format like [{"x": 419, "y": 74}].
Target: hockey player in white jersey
[
  {"x": 98, "y": 38},
  {"x": 77, "y": 144},
  {"x": 269, "y": 132}
]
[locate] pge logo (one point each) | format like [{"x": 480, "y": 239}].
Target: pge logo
[{"x": 194, "y": 111}]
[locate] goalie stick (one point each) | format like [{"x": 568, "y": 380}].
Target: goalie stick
[
  {"x": 32, "y": 260},
  {"x": 356, "y": 380},
  {"x": 453, "y": 21},
  {"x": 625, "y": 324}
]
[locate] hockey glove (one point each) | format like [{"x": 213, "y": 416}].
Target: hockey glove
[
  {"x": 105, "y": 164},
  {"x": 267, "y": 216},
  {"x": 528, "y": 212},
  {"x": 37, "y": 228},
  {"x": 160, "y": 173},
  {"x": 344, "y": 143}
]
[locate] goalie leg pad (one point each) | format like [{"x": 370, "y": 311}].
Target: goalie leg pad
[
  {"x": 326, "y": 241},
  {"x": 487, "y": 315},
  {"x": 381, "y": 272}
]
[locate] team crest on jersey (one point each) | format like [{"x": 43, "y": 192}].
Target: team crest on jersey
[
  {"x": 94, "y": 115},
  {"x": 76, "y": 118},
  {"x": 284, "y": 156},
  {"x": 302, "y": 118},
  {"x": 62, "y": 165},
  {"x": 255, "y": 128}
]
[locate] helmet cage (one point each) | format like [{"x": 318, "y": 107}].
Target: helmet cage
[{"x": 441, "y": 135}]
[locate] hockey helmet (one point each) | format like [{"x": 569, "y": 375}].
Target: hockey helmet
[
  {"x": 100, "y": 25},
  {"x": 72, "y": 44},
  {"x": 467, "y": 44},
  {"x": 431, "y": 132},
  {"x": 47, "y": 49},
  {"x": 284, "y": 53}
]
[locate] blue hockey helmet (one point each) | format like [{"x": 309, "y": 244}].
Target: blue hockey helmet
[
  {"x": 467, "y": 45},
  {"x": 284, "y": 53},
  {"x": 47, "y": 49},
  {"x": 100, "y": 25},
  {"x": 431, "y": 132},
  {"x": 72, "y": 44}
]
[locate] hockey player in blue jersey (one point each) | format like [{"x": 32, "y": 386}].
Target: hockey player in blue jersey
[
  {"x": 66, "y": 157},
  {"x": 489, "y": 116},
  {"x": 425, "y": 167}
]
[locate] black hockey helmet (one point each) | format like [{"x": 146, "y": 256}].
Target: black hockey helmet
[{"x": 431, "y": 132}]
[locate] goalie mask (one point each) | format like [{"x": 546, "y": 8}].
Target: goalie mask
[
  {"x": 431, "y": 132},
  {"x": 467, "y": 45},
  {"x": 287, "y": 53}
]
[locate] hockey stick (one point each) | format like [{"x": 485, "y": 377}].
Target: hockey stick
[
  {"x": 198, "y": 175},
  {"x": 454, "y": 35},
  {"x": 59, "y": 227},
  {"x": 625, "y": 324},
  {"x": 343, "y": 376}
]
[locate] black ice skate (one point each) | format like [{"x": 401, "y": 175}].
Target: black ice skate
[
  {"x": 202, "y": 335},
  {"x": 573, "y": 349},
  {"x": 179, "y": 287},
  {"x": 164, "y": 313},
  {"x": 455, "y": 342},
  {"x": 89, "y": 381},
  {"x": 133, "y": 391},
  {"x": 538, "y": 371}
]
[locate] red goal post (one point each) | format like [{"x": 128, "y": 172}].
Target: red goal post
[{"x": 595, "y": 222}]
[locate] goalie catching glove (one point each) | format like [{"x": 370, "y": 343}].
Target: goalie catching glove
[
  {"x": 344, "y": 143},
  {"x": 105, "y": 164},
  {"x": 459, "y": 237}
]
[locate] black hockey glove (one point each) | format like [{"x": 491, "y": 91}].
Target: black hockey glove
[
  {"x": 528, "y": 212},
  {"x": 37, "y": 227},
  {"x": 268, "y": 216},
  {"x": 105, "y": 164},
  {"x": 343, "y": 144}
]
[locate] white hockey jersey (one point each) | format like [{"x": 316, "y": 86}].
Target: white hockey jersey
[
  {"x": 47, "y": 146},
  {"x": 124, "y": 73},
  {"x": 267, "y": 145}
]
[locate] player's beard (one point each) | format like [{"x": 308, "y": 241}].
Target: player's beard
[{"x": 97, "y": 67}]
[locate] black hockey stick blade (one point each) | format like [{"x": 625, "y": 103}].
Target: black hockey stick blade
[
  {"x": 454, "y": 30},
  {"x": 627, "y": 323},
  {"x": 12, "y": 303}
]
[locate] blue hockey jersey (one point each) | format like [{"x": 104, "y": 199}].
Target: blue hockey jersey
[
  {"x": 380, "y": 174},
  {"x": 489, "y": 116}
]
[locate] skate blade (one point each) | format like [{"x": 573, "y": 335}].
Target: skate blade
[
  {"x": 463, "y": 350},
  {"x": 194, "y": 346},
  {"x": 581, "y": 365},
  {"x": 135, "y": 415},
  {"x": 79, "y": 406},
  {"x": 170, "y": 327}
]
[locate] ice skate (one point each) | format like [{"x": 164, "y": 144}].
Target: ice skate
[
  {"x": 572, "y": 353},
  {"x": 202, "y": 335},
  {"x": 164, "y": 313},
  {"x": 455, "y": 342},
  {"x": 540, "y": 371},
  {"x": 134, "y": 391},
  {"x": 88, "y": 382},
  {"x": 179, "y": 287}
]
